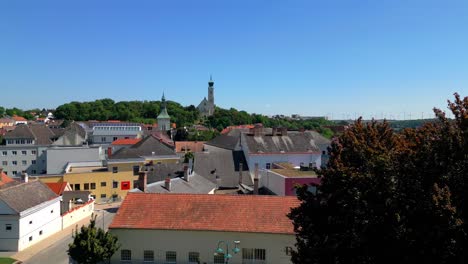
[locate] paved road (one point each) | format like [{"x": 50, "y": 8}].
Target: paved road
[{"x": 57, "y": 252}]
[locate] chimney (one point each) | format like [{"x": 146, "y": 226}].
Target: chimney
[
  {"x": 240, "y": 172},
  {"x": 256, "y": 180},
  {"x": 1, "y": 170},
  {"x": 109, "y": 152},
  {"x": 284, "y": 131},
  {"x": 186, "y": 175},
  {"x": 274, "y": 130},
  {"x": 142, "y": 180},
  {"x": 167, "y": 183},
  {"x": 24, "y": 177}
]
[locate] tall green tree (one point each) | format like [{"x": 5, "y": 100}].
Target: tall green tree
[
  {"x": 92, "y": 245},
  {"x": 389, "y": 197}
]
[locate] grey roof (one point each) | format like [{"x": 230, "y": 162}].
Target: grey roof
[
  {"x": 223, "y": 163},
  {"x": 159, "y": 172},
  {"x": 40, "y": 133},
  {"x": 224, "y": 141},
  {"x": 23, "y": 196},
  {"x": 294, "y": 141},
  {"x": 196, "y": 184},
  {"x": 145, "y": 147}
]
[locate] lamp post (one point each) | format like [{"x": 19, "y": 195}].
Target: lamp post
[{"x": 227, "y": 255}]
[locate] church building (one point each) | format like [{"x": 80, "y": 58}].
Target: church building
[
  {"x": 207, "y": 107},
  {"x": 164, "y": 120}
]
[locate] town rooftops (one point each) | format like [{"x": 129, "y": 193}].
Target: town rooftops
[
  {"x": 189, "y": 146},
  {"x": 19, "y": 118},
  {"x": 126, "y": 141},
  {"x": 196, "y": 184},
  {"x": 224, "y": 141},
  {"x": 24, "y": 196},
  {"x": 40, "y": 133},
  {"x": 5, "y": 181},
  {"x": 57, "y": 187},
  {"x": 206, "y": 212},
  {"x": 149, "y": 146}
]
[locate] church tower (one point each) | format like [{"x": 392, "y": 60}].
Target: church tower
[
  {"x": 211, "y": 91},
  {"x": 164, "y": 120}
]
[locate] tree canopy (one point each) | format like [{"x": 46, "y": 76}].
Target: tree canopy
[
  {"x": 388, "y": 197},
  {"x": 92, "y": 245}
]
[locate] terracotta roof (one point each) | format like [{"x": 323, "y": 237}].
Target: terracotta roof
[
  {"x": 126, "y": 141},
  {"x": 189, "y": 146},
  {"x": 4, "y": 179},
  {"x": 206, "y": 212},
  {"x": 19, "y": 118},
  {"x": 57, "y": 187}
]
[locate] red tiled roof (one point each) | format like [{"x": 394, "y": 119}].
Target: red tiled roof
[
  {"x": 4, "y": 179},
  {"x": 57, "y": 187},
  {"x": 206, "y": 212},
  {"x": 192, "y": 146},
  {"x": 230, "y": 128},
  {"x": 126, "y": 141},
  {"x": 19, "y": 118}
]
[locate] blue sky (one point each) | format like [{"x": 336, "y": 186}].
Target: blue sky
[{"x": 335, "y": 58}]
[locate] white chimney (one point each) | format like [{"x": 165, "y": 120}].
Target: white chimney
[
  {"x": 256, "y": 180},
  {"x": 24, "y": 177},
  {"x": 186, "y": 174},
  {"x": 167, "y": 184}
]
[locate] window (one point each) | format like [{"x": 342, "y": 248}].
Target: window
[
  {"x": 14, "y": 173},
  {"x": 93, "y": 186},
  {"x": 30, "y": 222},
  {"x": 136, "y": 170},
  {"x": 125, "y": 254},
  {"x": 14, "y": 153},
  {"x": 268, "y": 166},
  {"x": 51, "y": 211},
  {"x": 24, "y": 152},
  {"x": 86, "y": 186},
  {"x": 8, "y": 227},
  {"x": 14, "y": 163},
  {"x": 218, "y": 258},
  {"x": 193, "y": 257},
  {"x": 103, "y": 195},
  {"x": 40, "y": 233},
  {"x": 253, "y": 255},
  {"x": 4, "y": 153},
  {"x": 115, "y": 184},
  {"x": 148, "y": 255},
  {"x": 77, "y": 187},
  {"x": 33, "y": 152},
  {"x": 30, "y": 238},
  {"x": 115, "y": 138},
  {"x": 33, "y": 162},
  {"x": 171, "y": 256},
  {"x": 103, "y": 139},
  {"x": 103, "y": 184},
  {"x": 115, "y": 169},
  {"x": 24, "y": 162},
  {"x": 5, "y": 163},
  {"x": 33, "y": 172}
]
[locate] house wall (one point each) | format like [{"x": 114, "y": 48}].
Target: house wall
[
  {"x": 103, "y": 193},
  {"x": 273, "y": 182},
  {"x": 38, "y": 223},
  {"x": 77, "y": 214},
  {"x": 9, "y": 238},
  {"x": 295, "y": 159},
  {"x": 204, "y": 242},
  {"x": 290, "y": 183},
  {"x": 15, "y": 170}
]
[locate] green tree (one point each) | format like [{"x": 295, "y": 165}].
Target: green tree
[
  {"x": 92, "y": 245},
  {"x": 384, "y": 198}
]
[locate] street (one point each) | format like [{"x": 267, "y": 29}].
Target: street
[{"x": 57, "y": 252}]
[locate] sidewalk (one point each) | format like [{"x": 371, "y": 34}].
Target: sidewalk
[{"x": 50, "y": 241}]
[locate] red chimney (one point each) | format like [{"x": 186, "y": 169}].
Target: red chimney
[
  {"x": 142, "y": 180},
  {"x": 109, "y": 152}
]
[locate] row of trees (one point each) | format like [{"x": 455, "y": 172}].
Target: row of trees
[
  {"x": 390, "y": 197},
  {"x": 147, "y": 111},
  {"x": 16, "y": 111}
]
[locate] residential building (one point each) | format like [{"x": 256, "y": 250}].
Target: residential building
[
  {"x": 207, "y": 107},
  {"x": 73, "y": 135},
  {"x": 182, "y": 147},
  {"x": 188, "y": 228},
  {"x": 29, "y": 213},
  {"x": 120, "y": 144},
  {"x": 6, "y": 122},
  {"x": 19, "y": 120},
  {"x": 164, "y": 120},
  {"x": 59, "y": 157},
  {"x": 104, "y": 133}
]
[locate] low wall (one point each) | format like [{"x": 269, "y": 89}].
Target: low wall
[{"x": 77, "y": 214}]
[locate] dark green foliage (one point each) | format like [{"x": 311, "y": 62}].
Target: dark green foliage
[
  {"x": 390, "y": 197},
  {"x": 92, "y": 245}
]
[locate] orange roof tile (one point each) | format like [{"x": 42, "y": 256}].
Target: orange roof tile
[
  {"x": 206, "y": 212},
  {"x": 126, "y": 141},
  {"x": 57, "y": 187},
  {"x": 19, "y": 118},
  {"x": 192, "y": 146},
  {"x": 4, "y": 179}
]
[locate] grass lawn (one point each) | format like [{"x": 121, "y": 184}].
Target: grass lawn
[{"x": 7, "y": 260}]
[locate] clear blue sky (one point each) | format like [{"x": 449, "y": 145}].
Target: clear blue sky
[{"x": 335, "y": 58}]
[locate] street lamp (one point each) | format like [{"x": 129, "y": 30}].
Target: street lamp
[
  {"x": 103, "y": 211},
  {"x": 226, "y": 253}
]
